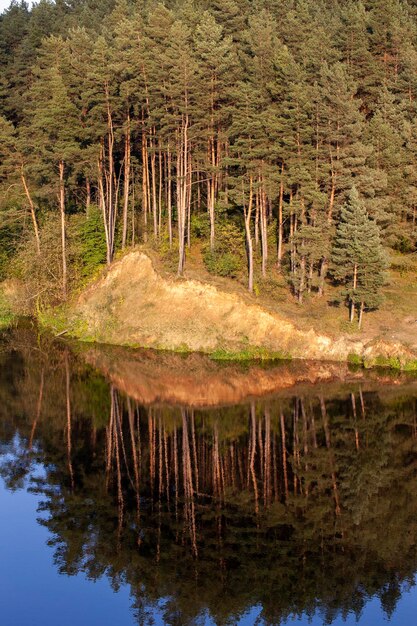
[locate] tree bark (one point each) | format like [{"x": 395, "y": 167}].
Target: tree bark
[
  {"x": 126, "y": 182},
  {"x": 280, "y": 220},
  {"x": 249, "y": 244},
  {"x": 63, "y": 228},
  {"x": 32, "y": 211}
]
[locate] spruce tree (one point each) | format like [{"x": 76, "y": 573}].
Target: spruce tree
[{"x": 358, "y": 259}]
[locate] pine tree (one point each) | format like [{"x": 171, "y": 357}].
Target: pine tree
[
  {"x": 13, "y": 166},
  {"x": 358, "y": 259},
  {"x": 55, "y": 131}
]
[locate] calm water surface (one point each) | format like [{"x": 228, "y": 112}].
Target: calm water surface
[{"x": 167, "y": 490}]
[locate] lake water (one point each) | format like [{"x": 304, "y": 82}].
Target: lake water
[{"x": 138, "y": 488}]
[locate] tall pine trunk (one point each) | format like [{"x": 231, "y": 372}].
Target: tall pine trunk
[
  {"x": 63, "y": 229},
  {"x": 280, "y": 219},
  {"x": 32, "y": 211},
  {"x": 249, "y": 242},
  {"x": 126, "y": 182}
]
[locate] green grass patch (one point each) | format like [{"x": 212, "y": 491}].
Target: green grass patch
[
  {"x": 56, "y": 321},
  {"x": 349, "y": 328},
  {"x": 7, "y": 317},
  {"x": 384, "y": 362},
  {"x": 410, "y": 366},
  {"x": 249, "y": 354},
  {"x": 355, "y": 359}
]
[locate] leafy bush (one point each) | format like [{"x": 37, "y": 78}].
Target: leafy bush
[
  {"x": 88, "y": 242},
  {"x": 10, "y": 235},
  {"x": 6, "y": 316},
  {"x": 226, "y": 264},
  {"x": 42, "y": 274},
  {"x": 227, "y": 257},
  {"x": 200, "y": 225}
]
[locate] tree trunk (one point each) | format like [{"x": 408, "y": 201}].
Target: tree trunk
[
  {"x": 63, "y": 230},
  {"x": 301, "y": 285},
  {"x": 182, "y": 190},
  {"x": 169, "y": 198},
  {"x": 361, "y": 307},
  {"x": 249, "y": 244},
  {"x": 160, "y": 190},
  {"x": 323, "y": 271},
  {"x": 111, "y": 209},
  {"x": 264, "y": 229},
  {"x": 280, "y": 220},
  {"x": 352, "y": 301},
  {"x": 126, "y": 182},
  {"x": 88, "y": 197},
  {"x": 153, "y": 182},
  {"x": 32, "y": 211},
  {"x": 145, "y": 185},
  {"x": 102, "y": 202}
]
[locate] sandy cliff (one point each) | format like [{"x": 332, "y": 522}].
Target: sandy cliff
[{"x": 134, "y": 305}]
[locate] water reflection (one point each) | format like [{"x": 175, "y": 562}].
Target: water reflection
[{"x": 298, "y": 503}]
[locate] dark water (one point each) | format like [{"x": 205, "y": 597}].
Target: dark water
[{"x": 295, "y": 508}]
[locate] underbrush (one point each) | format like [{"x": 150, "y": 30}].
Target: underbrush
[{"x": 6, "y": 315}]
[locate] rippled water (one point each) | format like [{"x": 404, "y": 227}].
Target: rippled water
[{"x": 139, "y": 488}]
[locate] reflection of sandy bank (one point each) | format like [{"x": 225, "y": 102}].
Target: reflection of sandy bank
[{"x": 195, "y": 380}]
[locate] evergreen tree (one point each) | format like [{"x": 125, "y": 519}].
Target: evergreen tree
[
  {"x": 358, "y": 259},
  {"x": 55, "y": 131}
]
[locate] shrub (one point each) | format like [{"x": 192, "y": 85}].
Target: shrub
[
  {"x": 87, "y": 243},
  {"x": 200, "y": 226},
  {"x": 226, "y": 264},
  {"x": 227, "y": 257},
  {"x": 6, "y": 316}
]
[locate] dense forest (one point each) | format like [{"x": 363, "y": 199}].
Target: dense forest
[{"x": 274, "y": 136}]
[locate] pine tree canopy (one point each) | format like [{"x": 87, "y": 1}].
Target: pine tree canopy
[{"x": 293, "y": 124}]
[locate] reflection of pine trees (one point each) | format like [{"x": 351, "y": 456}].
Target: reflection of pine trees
[{"x": 284, "y": 502}]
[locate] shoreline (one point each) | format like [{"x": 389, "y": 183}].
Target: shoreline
[
  {"x": 254, "y": 356},
  {"x": 134, "y": 305}
]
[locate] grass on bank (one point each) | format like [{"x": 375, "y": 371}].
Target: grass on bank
[
  {"x": 252, "y": 353},
  {"x": 7, "y": 317}
]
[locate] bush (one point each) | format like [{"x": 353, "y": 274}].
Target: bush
[
  {"x": 42, "y": 274},
  {"x": 227, "y": 257},
  {"x": 226, "y": 264},
  {"x": 6, "y": 315},
  {"x": 87, "y": 243},
  {"x": 10, "y": 236},
  {"x": 200, "y": 226}
]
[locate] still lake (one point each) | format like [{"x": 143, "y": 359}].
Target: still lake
[{"x": 144, "y": 488}]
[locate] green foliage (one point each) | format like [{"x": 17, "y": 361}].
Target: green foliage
[
  {"x": 200, "y": 226},
  {"x": 355, "y": 359},
  {"x": 226, "y": 257},
  {"x": 9, "y": 242},
  {"x": 40, "y": 273},
  {"x": 350, "y": 328},
  {"x": 252, "y": 119},
  {"x": 393, "y": 363},
  {"x": 358, "y": 259},
  {"x": 6, "y": 315},
  {"x": 251, "y": 353},
  {"x": 88, "y": 243},
  {"x": 222, "y": 263},
  {"x": 410, "y": 366}
]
